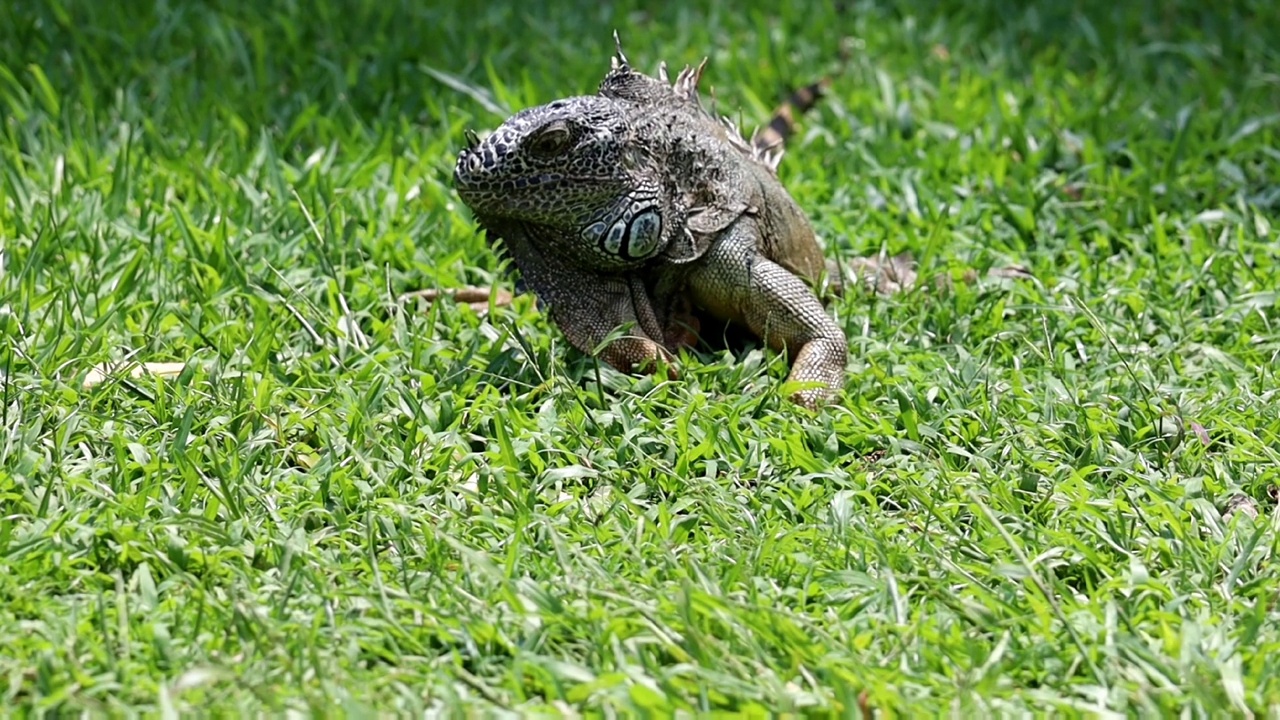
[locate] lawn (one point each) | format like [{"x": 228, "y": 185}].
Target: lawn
[{"x": 1045, "y": 495}]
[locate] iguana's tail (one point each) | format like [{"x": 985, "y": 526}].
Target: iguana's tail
[{"x": 782, "y": 124}]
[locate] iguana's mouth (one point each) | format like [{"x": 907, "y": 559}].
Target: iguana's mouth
[{"x": 540, "y": 182}]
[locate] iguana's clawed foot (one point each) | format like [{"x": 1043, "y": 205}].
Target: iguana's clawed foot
[
  {"x": 821, "y": 360},
  {"x": 633, "y": 354}
]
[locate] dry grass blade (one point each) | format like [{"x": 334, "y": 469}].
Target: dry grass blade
[
  {"x": 479, "y": 299},
  {"x": 132, "y": 369}
]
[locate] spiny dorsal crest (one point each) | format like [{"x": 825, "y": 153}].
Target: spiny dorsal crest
[
  {"x": 625, "y": 82},
  {"x": 687, "y": 82},
  {"x": 619, "y": 60}
]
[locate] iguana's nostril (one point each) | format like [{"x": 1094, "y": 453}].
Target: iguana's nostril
[{"x": 471, "y": 162}]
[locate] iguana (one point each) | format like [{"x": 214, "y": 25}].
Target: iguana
[{"x": 636, "y": 206}]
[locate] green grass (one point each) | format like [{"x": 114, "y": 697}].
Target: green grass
[{"x": 347, "y": 502}]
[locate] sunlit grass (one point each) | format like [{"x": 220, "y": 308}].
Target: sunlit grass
[{"x": 1033, "y": 496}]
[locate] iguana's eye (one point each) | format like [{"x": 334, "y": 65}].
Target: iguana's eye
[{"x": 550, "y": 140}]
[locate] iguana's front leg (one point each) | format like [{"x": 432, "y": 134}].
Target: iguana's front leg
[
  {"x": 588, "y": 305},
  {"x": 737, "y": 283},
  {"x": 588, "y": 308}
]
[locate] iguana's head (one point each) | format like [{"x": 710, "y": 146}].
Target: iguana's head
[{"x": 576, "y": 166}]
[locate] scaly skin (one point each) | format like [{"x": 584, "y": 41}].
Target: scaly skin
[{"x": 635, "y": 206}]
